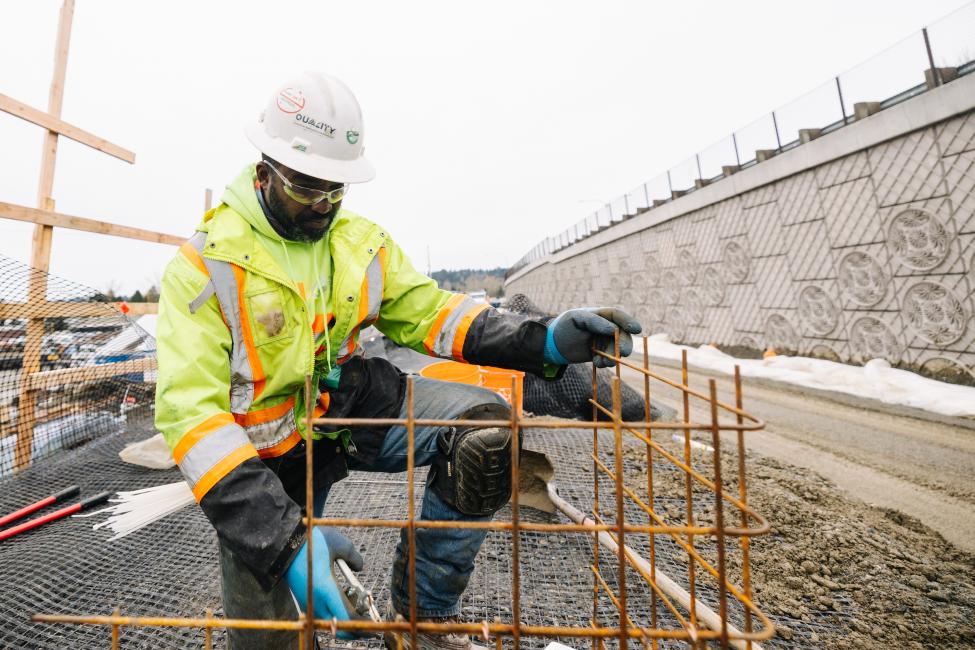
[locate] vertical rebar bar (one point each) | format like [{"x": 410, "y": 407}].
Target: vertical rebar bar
[
  {"x": 309, "y": 513},
  {"x": 935, "y": 72},
  {"x": 744, "y": 540},
  {"x": 596, "y": 641},
  {"x": 410, "y": 507},
  {"x": 115, "y": 629},
  {"x": 208, "y": 631},
  {"x": 620, "y": 519},
  {"x": 688, "y": 488},
  {"x": 650, "y": 521},
  {"x": 719, "y": 514},
  {"x": 515, "y": 520}
]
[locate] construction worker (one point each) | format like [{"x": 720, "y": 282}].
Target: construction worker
[{"x": 276, "y": 284}]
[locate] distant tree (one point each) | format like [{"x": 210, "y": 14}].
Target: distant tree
[
  {"x": 152, "y": 294},
  {"x": 137, "y": 297}
]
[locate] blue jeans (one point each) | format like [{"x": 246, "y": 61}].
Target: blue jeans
[{"x": 444, "y": 557}]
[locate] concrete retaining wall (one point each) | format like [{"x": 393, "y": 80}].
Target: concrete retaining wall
[{"x": 857, "y": 245}]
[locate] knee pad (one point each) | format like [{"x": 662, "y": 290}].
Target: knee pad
[{"x": 472, "y": 472}]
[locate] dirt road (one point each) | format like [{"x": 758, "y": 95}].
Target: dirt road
[{"x": 921, "y": 468}]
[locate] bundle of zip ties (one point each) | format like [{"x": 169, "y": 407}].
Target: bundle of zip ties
[{"x": 137, "y": 509}]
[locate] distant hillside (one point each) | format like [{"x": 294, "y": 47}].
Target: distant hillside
[{"x": 490, "y": 280}]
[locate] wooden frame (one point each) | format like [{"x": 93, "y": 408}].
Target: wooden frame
[{"x": 45, "y": 218}]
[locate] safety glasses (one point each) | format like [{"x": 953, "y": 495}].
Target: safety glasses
[{"x": 307, "y": 195}]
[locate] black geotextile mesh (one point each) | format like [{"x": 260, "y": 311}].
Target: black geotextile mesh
[
  {"x": 170, "y": 568},
  {"x": 70, "y": 335}
]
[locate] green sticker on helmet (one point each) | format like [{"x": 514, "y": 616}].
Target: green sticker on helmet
[{"x": 352, "y": 136}]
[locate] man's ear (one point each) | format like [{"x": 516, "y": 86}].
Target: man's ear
[{"x": 263, "y": 175}]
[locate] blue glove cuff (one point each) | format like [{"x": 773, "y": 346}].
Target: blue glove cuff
[{"x": 552, "y": 354}]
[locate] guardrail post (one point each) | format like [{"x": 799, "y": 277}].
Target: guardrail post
[{"x": 839, "y": 93}]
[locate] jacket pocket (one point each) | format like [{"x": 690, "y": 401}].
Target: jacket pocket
[{"x": 269, "y": 319}]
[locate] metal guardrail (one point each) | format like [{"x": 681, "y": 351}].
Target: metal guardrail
[{"x": 928, "y": 58}]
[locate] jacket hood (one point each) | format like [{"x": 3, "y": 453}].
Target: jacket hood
[{"x": 241, "y": 196}]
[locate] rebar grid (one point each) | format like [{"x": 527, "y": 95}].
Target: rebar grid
[{"x": 697, "y": 625}]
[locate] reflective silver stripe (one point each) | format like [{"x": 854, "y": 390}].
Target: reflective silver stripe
[
  {"x": 201, "y": 299},
  {"x": 225, "y": 286},
  {"x": 267, "y": 434},
  {"x": 374, "y": 279},
  {"x": 210, "y": 450},
  {"x": 444, "y": 343}
]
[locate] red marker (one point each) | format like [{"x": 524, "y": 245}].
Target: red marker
[
  {"x": 30, "y": 524},
  {"x": 63, "y": 495}
]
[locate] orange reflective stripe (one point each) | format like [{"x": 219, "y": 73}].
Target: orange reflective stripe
[
  {"x": 457, "y": 350},
  {"x": 282, "y": 447},
  {"x": 301, "y": 290},
  {"x": 226, "y": 465},
  {"x": 265, "y": 415},
  {"x": 190, "y": 253},
  {"x": 438, "y": 323},
  {"x": 199, "y": 432},
  {"x": 255, "y": 361},
  {"x": 325, "y": 399},
  {"x": 318, "y": 325}
]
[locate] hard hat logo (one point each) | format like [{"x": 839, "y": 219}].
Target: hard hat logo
[{"x": 302, "y": 127}]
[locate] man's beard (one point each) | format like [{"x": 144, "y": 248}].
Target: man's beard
[{"x": 297, "y": 229}]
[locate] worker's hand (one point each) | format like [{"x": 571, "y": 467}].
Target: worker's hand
[
  {"x": 328, "y": 545},
  {"x": 573, "y": 334}
]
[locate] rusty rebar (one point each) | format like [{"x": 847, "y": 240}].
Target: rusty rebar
[{"x": 751, "y": 524}]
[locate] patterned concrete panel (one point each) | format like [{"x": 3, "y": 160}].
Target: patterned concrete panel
[
  {"x": 956, "y": 135},
  {"x": 868, "y": 256},
  {"x": 730, "y": 223},
  {"x": 921, "y": 238},
  {"x": 843, "y": 170},
  {"x": 810, "y": 254},
  {"x": 773, "y": 292},
  {"x": 960, "y": 175},
  {"x": 819, "y": 312},
  {"x": 936, "y": 312},
  {"x": 765, "y": 230},
  {"x": 759, "y": 196},
  {"x": 781, "y": 330},
  {"x": 908, "y": 168},
  {"x": 875, "y": 335},
  {"x": 864, "y": 274},
  {"x": 799, "y": 199},
  {"x": 743, "y": 298},
  {"x": 852, "y": 215}
]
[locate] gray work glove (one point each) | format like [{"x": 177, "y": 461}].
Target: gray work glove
[{"x": 573, "y": 334}]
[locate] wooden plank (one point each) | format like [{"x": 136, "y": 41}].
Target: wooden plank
[
  {"x": 48, "y": 218},
  {"x": 54, "y": 124},
  {"x": 59, "y": 378},
  {"x": 208, "y": 200},
  {"x": 142, "y": 308},
  {"x": 70, "y": 309},
  {"x": 41, "y": 246}
]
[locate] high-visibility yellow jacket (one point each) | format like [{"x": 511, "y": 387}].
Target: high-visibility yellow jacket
[{"x": 235, "y": 343}]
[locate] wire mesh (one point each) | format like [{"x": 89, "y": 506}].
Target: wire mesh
[{"x": 72, "y": 365}]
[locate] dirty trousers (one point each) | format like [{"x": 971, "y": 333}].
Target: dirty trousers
[{"x": 444, "y": 557}]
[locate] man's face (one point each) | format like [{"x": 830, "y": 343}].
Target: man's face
[{"x": 303, "y": 223}]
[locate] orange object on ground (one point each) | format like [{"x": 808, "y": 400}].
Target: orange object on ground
[{"x": 496, "y": 379}]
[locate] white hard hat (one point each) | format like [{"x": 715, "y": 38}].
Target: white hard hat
[{"x": 313, "y": 125}]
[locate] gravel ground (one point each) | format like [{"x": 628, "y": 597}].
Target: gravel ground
[{"x": 879, "y": 578}]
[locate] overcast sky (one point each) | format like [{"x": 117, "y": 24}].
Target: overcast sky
[{"x": 491, "y": 125}]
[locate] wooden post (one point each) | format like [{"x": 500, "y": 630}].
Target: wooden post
[{"x": 41, "y": 246}]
